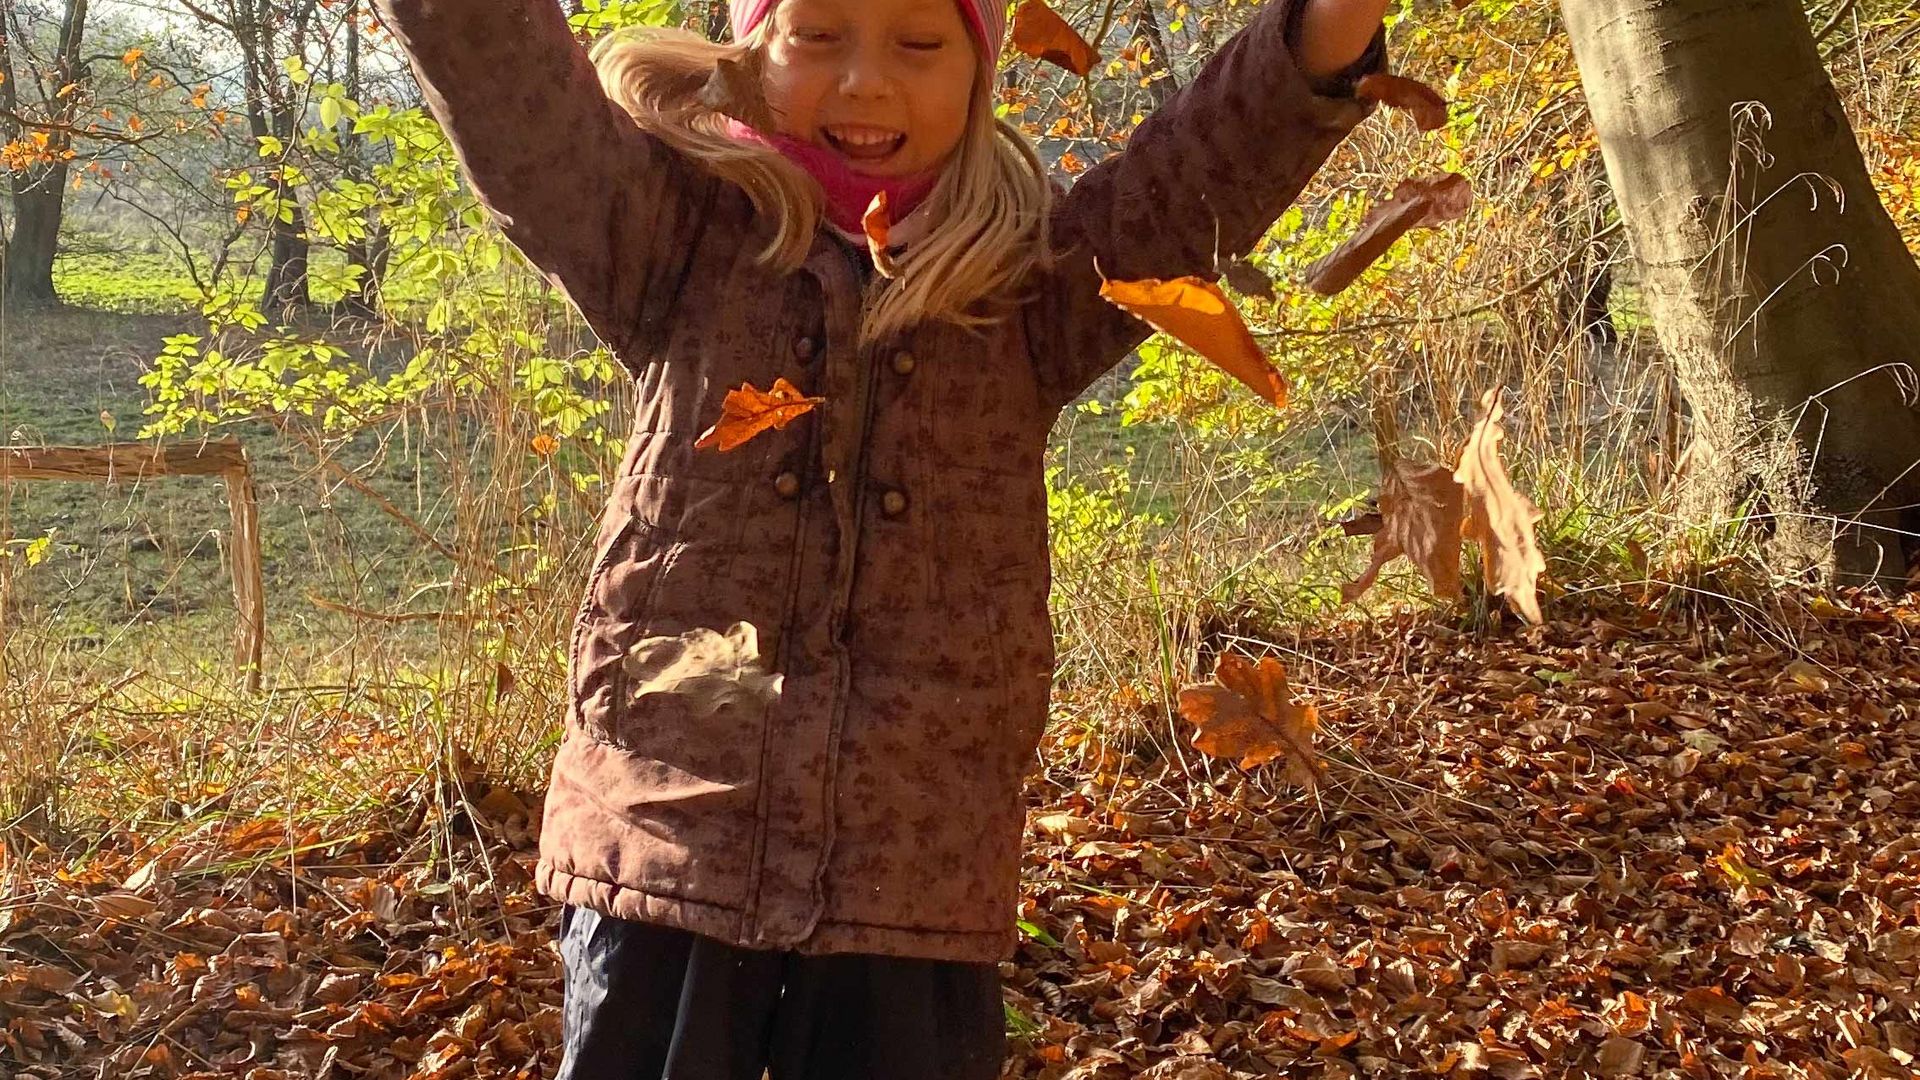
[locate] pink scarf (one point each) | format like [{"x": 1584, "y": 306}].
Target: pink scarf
[{"x": 849, "y": 193}]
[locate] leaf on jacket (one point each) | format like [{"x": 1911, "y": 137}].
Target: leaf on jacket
[
  {"x": 735, "y": 90},
  {"x": 1421, "y": 202},
  {"x": 1500, "y": 519},
  {"x": 747, "y": 412},
  {"x": 1197, "y": 313},
  {"x": 1041, "y": 33},
  {"x": 1247, "y": 712},
  {"x": 877, "y": 223},
  {"x": 708, "y": 669},
  {"x": 1422, "y": 508},
  {"x": 1417, "y": 99}
]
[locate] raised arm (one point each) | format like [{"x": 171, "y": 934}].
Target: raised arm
[
  {"x": 1209, "y": 172},
  {"x": 607, "y": 212}
]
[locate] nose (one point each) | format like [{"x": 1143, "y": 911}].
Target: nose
[{"x": 866, "y": 74}]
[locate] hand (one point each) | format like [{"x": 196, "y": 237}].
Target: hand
[{"x": 1335, "y": 33}]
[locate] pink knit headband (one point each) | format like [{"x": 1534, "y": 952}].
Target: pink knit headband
[{"x": 986, "y": 18}]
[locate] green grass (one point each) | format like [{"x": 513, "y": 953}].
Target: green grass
[
  {"x": 137, "y": 568},
  {"x": 124, "y": 282}
]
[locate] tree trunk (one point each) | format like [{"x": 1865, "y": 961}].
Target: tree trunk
[
  {"x": 39, "y": 199},
  {"x": 1775, "y": 280},
  {"x": 39, "y": 192},
  {"x": 362, "y": 299}
]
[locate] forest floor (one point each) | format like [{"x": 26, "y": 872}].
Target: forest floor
[{"x": 1646, "y": 839}]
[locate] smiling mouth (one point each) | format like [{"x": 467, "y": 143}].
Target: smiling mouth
[{"x": 862, "y": 143}]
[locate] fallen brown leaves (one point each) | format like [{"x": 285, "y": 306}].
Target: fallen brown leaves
[
  {"x": 1606, "y": 847},
  {"x": 264, "y": 951},
  {"x": 1612, "y": 846}
]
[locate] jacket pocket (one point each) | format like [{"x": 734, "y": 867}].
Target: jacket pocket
[{"x": 615, "y": 610}]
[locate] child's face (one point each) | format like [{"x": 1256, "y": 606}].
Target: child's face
[{"x": 884, "y": 84}]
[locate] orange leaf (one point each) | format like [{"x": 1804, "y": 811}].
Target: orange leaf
[
  {"x": 1417, "y": 99},
  {"x": 1499, "y": 518},
  {"x": 1246, "y": 713},
  {"x": 1421, "y": 202},
  {"x": 1422, "y": 508},
  {"x": 1041, "y": 33},
  {"x": 1198, "y": 313},
  {"x": 747, "y": 412},
  {"x": 545, "y": 444},
  {"x": 877, "y": 223}
]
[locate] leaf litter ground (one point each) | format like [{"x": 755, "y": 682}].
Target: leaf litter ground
[{"x": 1610, "y": 846}]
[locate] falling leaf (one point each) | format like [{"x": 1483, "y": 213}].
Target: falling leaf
[
  {"x": 132, "y": 56},
  {"x": 1500, "y": 519},
  {"x": 747, "y": 412},
  {"x": 877, "y": 223},
  {"x": 1199, "y": 315},
  {"x": 735, "y": 90},
  {"x": 1247, "y": 713},
  {"x": 1422, "y": 508},
  {"x": 1417, "y": 99},
  {"x": 1421, "y": 202},
  {"x": 1041, "y": 33},
  {"x": 544, "y": 444},
  {"x": 1248, "y": 279}
]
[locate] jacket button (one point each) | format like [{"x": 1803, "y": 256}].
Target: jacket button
[
  {"x": 786, "y": 485},
  {"x": 804, "y": 348},
  {"x": 903, "y": 363},
  {"x": 893, "y": 503}
]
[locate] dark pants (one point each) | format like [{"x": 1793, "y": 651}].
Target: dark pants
[{"x": 649, "y": 1003}]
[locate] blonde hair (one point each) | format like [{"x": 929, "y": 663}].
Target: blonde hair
[{"x": 987, "y": 212}]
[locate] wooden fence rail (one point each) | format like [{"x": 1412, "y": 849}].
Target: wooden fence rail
[{"x": 117, "y": 462}]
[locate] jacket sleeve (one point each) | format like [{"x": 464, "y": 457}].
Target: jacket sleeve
[
  {"x": 1206, "y": 175},
  {"x": 608, "y": 213}
]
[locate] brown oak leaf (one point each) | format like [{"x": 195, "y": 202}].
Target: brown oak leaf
[
  {"x": 1247, "y": 712},
  {"x": 1500, "y": 519},
  {"x": 1422, "y": 508}
]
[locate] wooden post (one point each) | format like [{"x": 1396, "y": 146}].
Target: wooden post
[{"x": 225, "y": 458}]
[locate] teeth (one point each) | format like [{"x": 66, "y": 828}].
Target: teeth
[{"x": 862, "y": 136}]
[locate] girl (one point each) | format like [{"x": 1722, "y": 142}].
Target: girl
[{"x": 808, "y": 674}]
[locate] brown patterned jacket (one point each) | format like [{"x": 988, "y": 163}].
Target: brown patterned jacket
[{"x": 890, "y": 549}]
